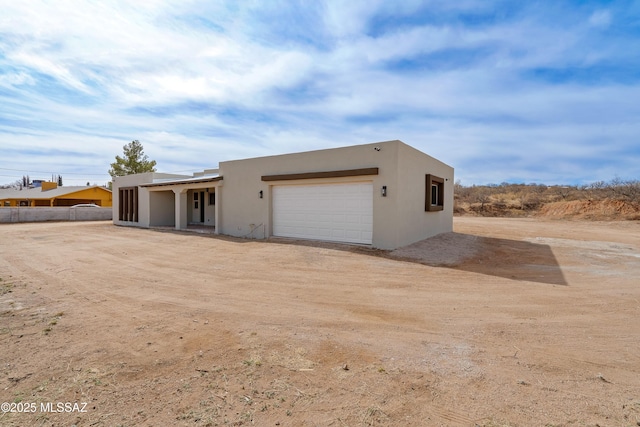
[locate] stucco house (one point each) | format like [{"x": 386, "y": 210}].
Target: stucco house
[
  {"x": 49, "y": 194},
  {"x": 385, "y": 194}
]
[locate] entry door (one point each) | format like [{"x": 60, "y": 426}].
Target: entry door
[
  {"x": 333, "y": 212},
  {"x": 198, "y": 206}
]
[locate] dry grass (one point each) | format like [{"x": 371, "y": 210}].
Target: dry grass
[{"x": 617, "y": 200}]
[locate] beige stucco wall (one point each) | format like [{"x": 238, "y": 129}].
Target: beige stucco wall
[
  {"x": 397, "y": 219},
  {"x": 414, "y": 223},
  {"x": 244, "y": 213},
  {"x": 162, "y": 208}
]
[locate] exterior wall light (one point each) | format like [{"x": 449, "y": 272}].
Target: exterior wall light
[
  {"x": 384, "y": 191},
  {"x": 261, "y": 194}
]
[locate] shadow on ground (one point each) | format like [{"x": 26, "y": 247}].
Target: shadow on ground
[
  {"x": 516, "y": 260},
  {"x": 510, "y": 259}
]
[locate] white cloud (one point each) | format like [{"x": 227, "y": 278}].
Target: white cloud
[
  {"x": 600, "y": 19},
  {"x": 221, "y": 81},
  {"x": 16, "y": 79}
]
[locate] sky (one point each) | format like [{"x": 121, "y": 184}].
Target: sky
[{"x": 543, "y": 92}]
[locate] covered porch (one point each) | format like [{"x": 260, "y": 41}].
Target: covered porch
[{"x": 187, "y": 204}]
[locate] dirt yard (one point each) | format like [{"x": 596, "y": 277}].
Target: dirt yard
[{"x": 506, "y": 322}]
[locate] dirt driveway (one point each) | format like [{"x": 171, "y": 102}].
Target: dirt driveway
[{"x": 516, "y": 322}]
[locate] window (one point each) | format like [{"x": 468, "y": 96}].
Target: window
[
  {"x": 128, "y": 204},
  {"x": 212, "y": 199},
  {"x": 434, "y": 193}
]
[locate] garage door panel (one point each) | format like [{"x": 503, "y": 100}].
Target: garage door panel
[
  {"x": 339, "y": 218},
  {"x": 339, "y": 235},
  {"x": 353, "y": 219},
  {"x": 352, "y": 234},
  {"x": 335, "y": 212}
]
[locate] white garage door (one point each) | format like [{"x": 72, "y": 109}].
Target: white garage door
[{"x": 333, "y": 212}]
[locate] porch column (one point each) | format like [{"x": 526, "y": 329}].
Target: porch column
[
  {"x": 181, "y": 200},
  {"x": 216, "y": 208}
]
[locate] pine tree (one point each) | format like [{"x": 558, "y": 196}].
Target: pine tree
[{"x": 133, "y": 161}]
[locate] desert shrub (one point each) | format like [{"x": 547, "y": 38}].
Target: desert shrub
[{"x": 505, "y": 198}]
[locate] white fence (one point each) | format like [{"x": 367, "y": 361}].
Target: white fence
[{"x": 38, "y": 214}]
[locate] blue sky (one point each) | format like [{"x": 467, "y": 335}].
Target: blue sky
[{"x": 544, "y": 91}]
